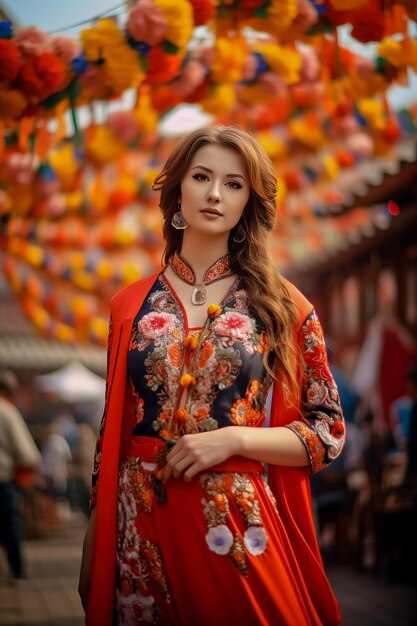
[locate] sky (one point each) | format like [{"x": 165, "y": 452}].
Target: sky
[{"x": 53, "y": 17}]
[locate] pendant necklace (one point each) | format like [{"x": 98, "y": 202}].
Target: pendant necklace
[{"x": 217, "y": 270}]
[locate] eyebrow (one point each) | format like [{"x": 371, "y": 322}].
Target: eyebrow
[{"x": 206, "y": 169}]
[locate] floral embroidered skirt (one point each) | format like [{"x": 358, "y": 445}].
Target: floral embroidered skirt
[{"x": 214, "y": 552}]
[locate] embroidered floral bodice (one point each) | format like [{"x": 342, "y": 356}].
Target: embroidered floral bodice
[{"x": 187, "y": 380}]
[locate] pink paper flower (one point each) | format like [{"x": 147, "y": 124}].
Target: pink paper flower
[
  {"x": 310, "y": 64},
  {"x": 66, "y": 48},
  {"x": 146, "y": 22},
  {"x": 21, "y": 168},
  {"x": 154, "y": 325},
  {"x": 307, "y": 15},
  {"x": 55, "y": 205},
  {"x": 273, "y": 84},
  {"x": 233, "y": 325},
  {"x": 123, "y": 125},
  {"x": 365, "y": 67},
  {"x": 360, "y": 144},
  {"x": 205, "y": 54},
  {"x": 250, "y": 65},
  {"x": 32, "y": 40},
  {"x": 191, "y": 77},
  {"x": 3, "y": 201}
]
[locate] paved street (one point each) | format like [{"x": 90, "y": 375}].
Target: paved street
[{"x": 49, "y": 595}]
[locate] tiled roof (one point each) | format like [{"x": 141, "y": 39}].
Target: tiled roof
[{"x": 37, "y": 353}]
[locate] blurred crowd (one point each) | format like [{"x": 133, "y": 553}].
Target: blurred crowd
[
  {"x": 45, "y": 472},
  {"x": 365, "y": 502}
]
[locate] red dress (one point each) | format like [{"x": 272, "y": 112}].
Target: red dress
[{"x": 223, "y": 548}]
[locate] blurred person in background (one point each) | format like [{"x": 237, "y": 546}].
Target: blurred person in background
[
  {"x": 83, "y": 452},
  {"x": 411, "y": 446},
  {"x": 56, "y": 460},
  {"x": 19, "y": 458}
]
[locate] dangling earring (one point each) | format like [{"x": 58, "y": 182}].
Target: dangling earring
[
  {"x": 178, "y": 221},
  {"x": 240, "y": 234}
]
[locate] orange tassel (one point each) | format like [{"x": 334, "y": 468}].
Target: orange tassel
[
  {"x": 181, "y": 415},
  {"x": 190, "y": 342},
  {"x": 213, "y": 310},
  {"x": 187, "y": 380}
]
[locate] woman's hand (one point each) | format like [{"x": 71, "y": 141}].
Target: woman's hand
[{"x": 195, "y": 453}]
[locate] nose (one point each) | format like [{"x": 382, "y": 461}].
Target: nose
[{"x": 214, "y": 193}]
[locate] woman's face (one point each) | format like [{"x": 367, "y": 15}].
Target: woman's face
[{"x": 215, "y": 190}]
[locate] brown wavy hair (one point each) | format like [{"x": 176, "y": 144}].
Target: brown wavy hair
[{"x": 251, "y": 260}]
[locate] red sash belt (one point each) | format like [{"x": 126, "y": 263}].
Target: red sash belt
[{"x": 148, "y": 449}]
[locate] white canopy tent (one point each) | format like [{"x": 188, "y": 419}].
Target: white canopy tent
[{"x": 73, "y": 383}]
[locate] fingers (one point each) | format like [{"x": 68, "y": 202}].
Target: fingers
[{"x": 179, "y": 462}]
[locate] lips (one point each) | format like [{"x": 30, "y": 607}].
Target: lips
[{"x": 211, "y": 211}]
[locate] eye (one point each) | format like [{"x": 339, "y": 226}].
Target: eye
[
  {"x": 200, "y": 176},
  {"x": 234, "y": 185}
]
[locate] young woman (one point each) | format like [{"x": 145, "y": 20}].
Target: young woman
[{"x": 201, "y": 515}]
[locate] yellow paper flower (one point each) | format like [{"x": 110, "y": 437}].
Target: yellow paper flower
[
  {"x": 98, "y": 327},
  {"x": 281, "y": 14},
  {"x": 103, "y": 147},
  {"x": 40, "y": 317},
  {"x": 253, "y": 94},
  {"x": 63, "y": 332},
  {"x": 105, "y": 43},
  {"x": 399, "y": 53},
  {"x": 282, "y": 60},
  {"x": 273, "y": 146},
  {"x": 130, "y": 273},
  {"x": 64, "y": 164},
  {"x": 331, "y": 167},
  {"x": 84, "y": 281},
  {"x": 73, "y": 200},
  {"x": 180, "y": 20},
  {"x": 311, "y": 136},
  {"x": 229, "y": 57},
  {"x": 104, "y": 269},
  {"x": 282, "y": 191},
  {"x": 144, "y": 114},
  {"x": 373, "y": 111},
  {"x": 220, "y": 101},
  {"x": 34, "y": 255}
]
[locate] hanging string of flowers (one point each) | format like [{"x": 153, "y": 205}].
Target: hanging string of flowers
[{"x": 156, "y": 46}]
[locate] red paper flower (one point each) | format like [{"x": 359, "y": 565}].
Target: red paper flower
[
  {"x": 42, "y": 75},
  {"x": 368, "y": 22},
  {"x": 249, "y": 6},
  {"x": 11, "y": 61},
  {"x": 162, "y": 67},
  {"x": 204, "y": 10}
]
